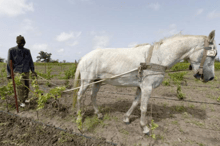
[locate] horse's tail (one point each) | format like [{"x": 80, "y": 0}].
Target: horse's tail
[{"x": 75, "y": 85}]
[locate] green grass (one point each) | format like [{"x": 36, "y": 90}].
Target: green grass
[
  {"x": 115, "y": 119},
  {"x": 165, "y": 104},
  {"x": 91, "y": 123},
  {"x": 181, "y": 130},
  {"x": 177, "y": 77},
  {"x": 218, "y": 99},
  {"x": 180, "y": 66},
  {"x": 192, "y": 106},
  {"x": 123, "y": 131},
  {"x": 197, "y": 123},
  {"x": 185, "y": 115},
  {"x": 3, "y": 124},
  {"x": 175, "y": 122},
  {"x": 179, "y": 108},
  {"x": 166, "y": 82}
]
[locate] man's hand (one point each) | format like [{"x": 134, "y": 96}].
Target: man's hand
[{"x": 33, "y": 75}]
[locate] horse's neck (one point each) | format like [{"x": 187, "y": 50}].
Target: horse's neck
[{"x": 172, "y": 51}]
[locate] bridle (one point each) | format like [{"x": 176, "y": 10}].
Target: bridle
[{"x": 209, "y": 51}]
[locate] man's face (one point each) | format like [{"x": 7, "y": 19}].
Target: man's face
[{"x": 21, "y": 45}]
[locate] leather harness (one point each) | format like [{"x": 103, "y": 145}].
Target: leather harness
[
  {"x": 160, "y": 68},
  {"x": 150, "y": 66},
  {"x": 206, "y": 48}
]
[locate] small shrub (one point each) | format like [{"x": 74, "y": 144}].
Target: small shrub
[
  {"x": 166, "y": 82},
  {"x": 180, "y": 95},
  {"x": 153, "y": 127},
  {"x": 180, "y": 66},
  {"x": 177, "y": 77}
]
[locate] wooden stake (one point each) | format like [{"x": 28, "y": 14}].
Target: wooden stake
[
  {"x": 45, "y": 68},
  {"x": 12, "y": 76}
]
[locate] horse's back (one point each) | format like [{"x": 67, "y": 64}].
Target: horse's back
[{"x": 112, "y": 61}]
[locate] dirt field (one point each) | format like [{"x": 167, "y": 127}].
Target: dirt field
[{"x": 181, "y": 123}]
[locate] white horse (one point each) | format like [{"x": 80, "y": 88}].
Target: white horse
[{"x": 105, "y": 63}]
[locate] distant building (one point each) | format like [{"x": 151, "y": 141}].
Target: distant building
[{"x": 2, "y": 59}]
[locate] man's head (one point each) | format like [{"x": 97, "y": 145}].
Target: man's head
[{"x": 20, "y": 41}]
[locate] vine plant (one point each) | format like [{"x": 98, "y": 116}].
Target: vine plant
[
  {"x": 47, "y": 75},
  {"x": 153, "y": 127}
]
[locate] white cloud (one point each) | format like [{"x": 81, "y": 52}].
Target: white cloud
[
  {"x": 132, "y": 44},
  {"x": 199, "y": 11},
  {"x": 67, "y": 36},
  {"x": 155, "y": 6},
  {"x": 40, "y": 47},
  {"x": 213, "y": 15},
  {"x": 100, "y": 42},
  {"x": 74, "y": 1},
  {"x": 26, "y": 27},
  {"x": 169, "y": 31},
  {"x": 73, "y": 44},
  {"x": 172, "y": 26},
  {"x": 60, "y": 50},
  {"x": 97, "y": 33},
  {"x": 15, "y": 7}
]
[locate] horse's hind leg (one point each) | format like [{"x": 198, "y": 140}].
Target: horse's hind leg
[
  {"x": 95, "y": 89},
  {"x": 83, "y": 88},
  {"x": 134, "y": 105}
]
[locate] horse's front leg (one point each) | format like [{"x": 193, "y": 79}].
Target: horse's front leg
[
  {"x": 145, "y": 95},
  {"x": 134, "y": 105}
]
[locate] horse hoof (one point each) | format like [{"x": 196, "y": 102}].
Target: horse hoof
[
  {"x": 127, "y": 123},
  {"x": 100, "y": 116},
  {"x": 148, "y": 133}
]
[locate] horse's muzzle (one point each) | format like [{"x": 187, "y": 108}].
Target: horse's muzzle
[
  {"x": 198, "y": 76},
  {"x": 201, "y": 77}
]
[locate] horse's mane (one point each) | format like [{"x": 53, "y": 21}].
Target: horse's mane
[
  {"x": 141, "y": 45},
  {"x": 168, "y": 38},
  {"x": 175, "y": 36}
]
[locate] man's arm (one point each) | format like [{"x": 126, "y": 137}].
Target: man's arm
[
  {"x": 8, "y": 64},
  {"x": 31, "y": 63}
]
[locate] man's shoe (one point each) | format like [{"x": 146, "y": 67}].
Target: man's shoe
[
  {"x": 27, "y": 100},
  {"x": 22, "y": 105}
]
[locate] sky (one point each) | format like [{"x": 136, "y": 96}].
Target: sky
[{"x": 69, "y": 29}]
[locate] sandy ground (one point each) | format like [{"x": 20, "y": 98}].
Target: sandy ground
[{"x": 193, "y": 121}]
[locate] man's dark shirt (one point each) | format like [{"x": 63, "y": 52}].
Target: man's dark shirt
[{"x": 22, "y": 60}]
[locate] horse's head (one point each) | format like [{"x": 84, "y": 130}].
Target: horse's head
[{"x": 202, "y": 61}]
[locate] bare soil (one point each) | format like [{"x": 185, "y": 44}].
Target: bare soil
[{"x": 192, "y": 121}]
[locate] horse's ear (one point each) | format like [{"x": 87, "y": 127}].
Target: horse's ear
[{"x": 211, "y": 36}]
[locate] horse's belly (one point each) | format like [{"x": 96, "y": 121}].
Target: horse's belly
[{"x": 131, "y": 81}]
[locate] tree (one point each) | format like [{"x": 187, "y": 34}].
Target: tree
[{"x": 44, "y": 57}]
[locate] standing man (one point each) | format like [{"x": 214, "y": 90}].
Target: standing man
[{"x": 22, "y": 63}]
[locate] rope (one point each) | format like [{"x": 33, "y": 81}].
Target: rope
[
  {"x": 47, "y": 80},
  {"x": 102, "y": 80}
]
